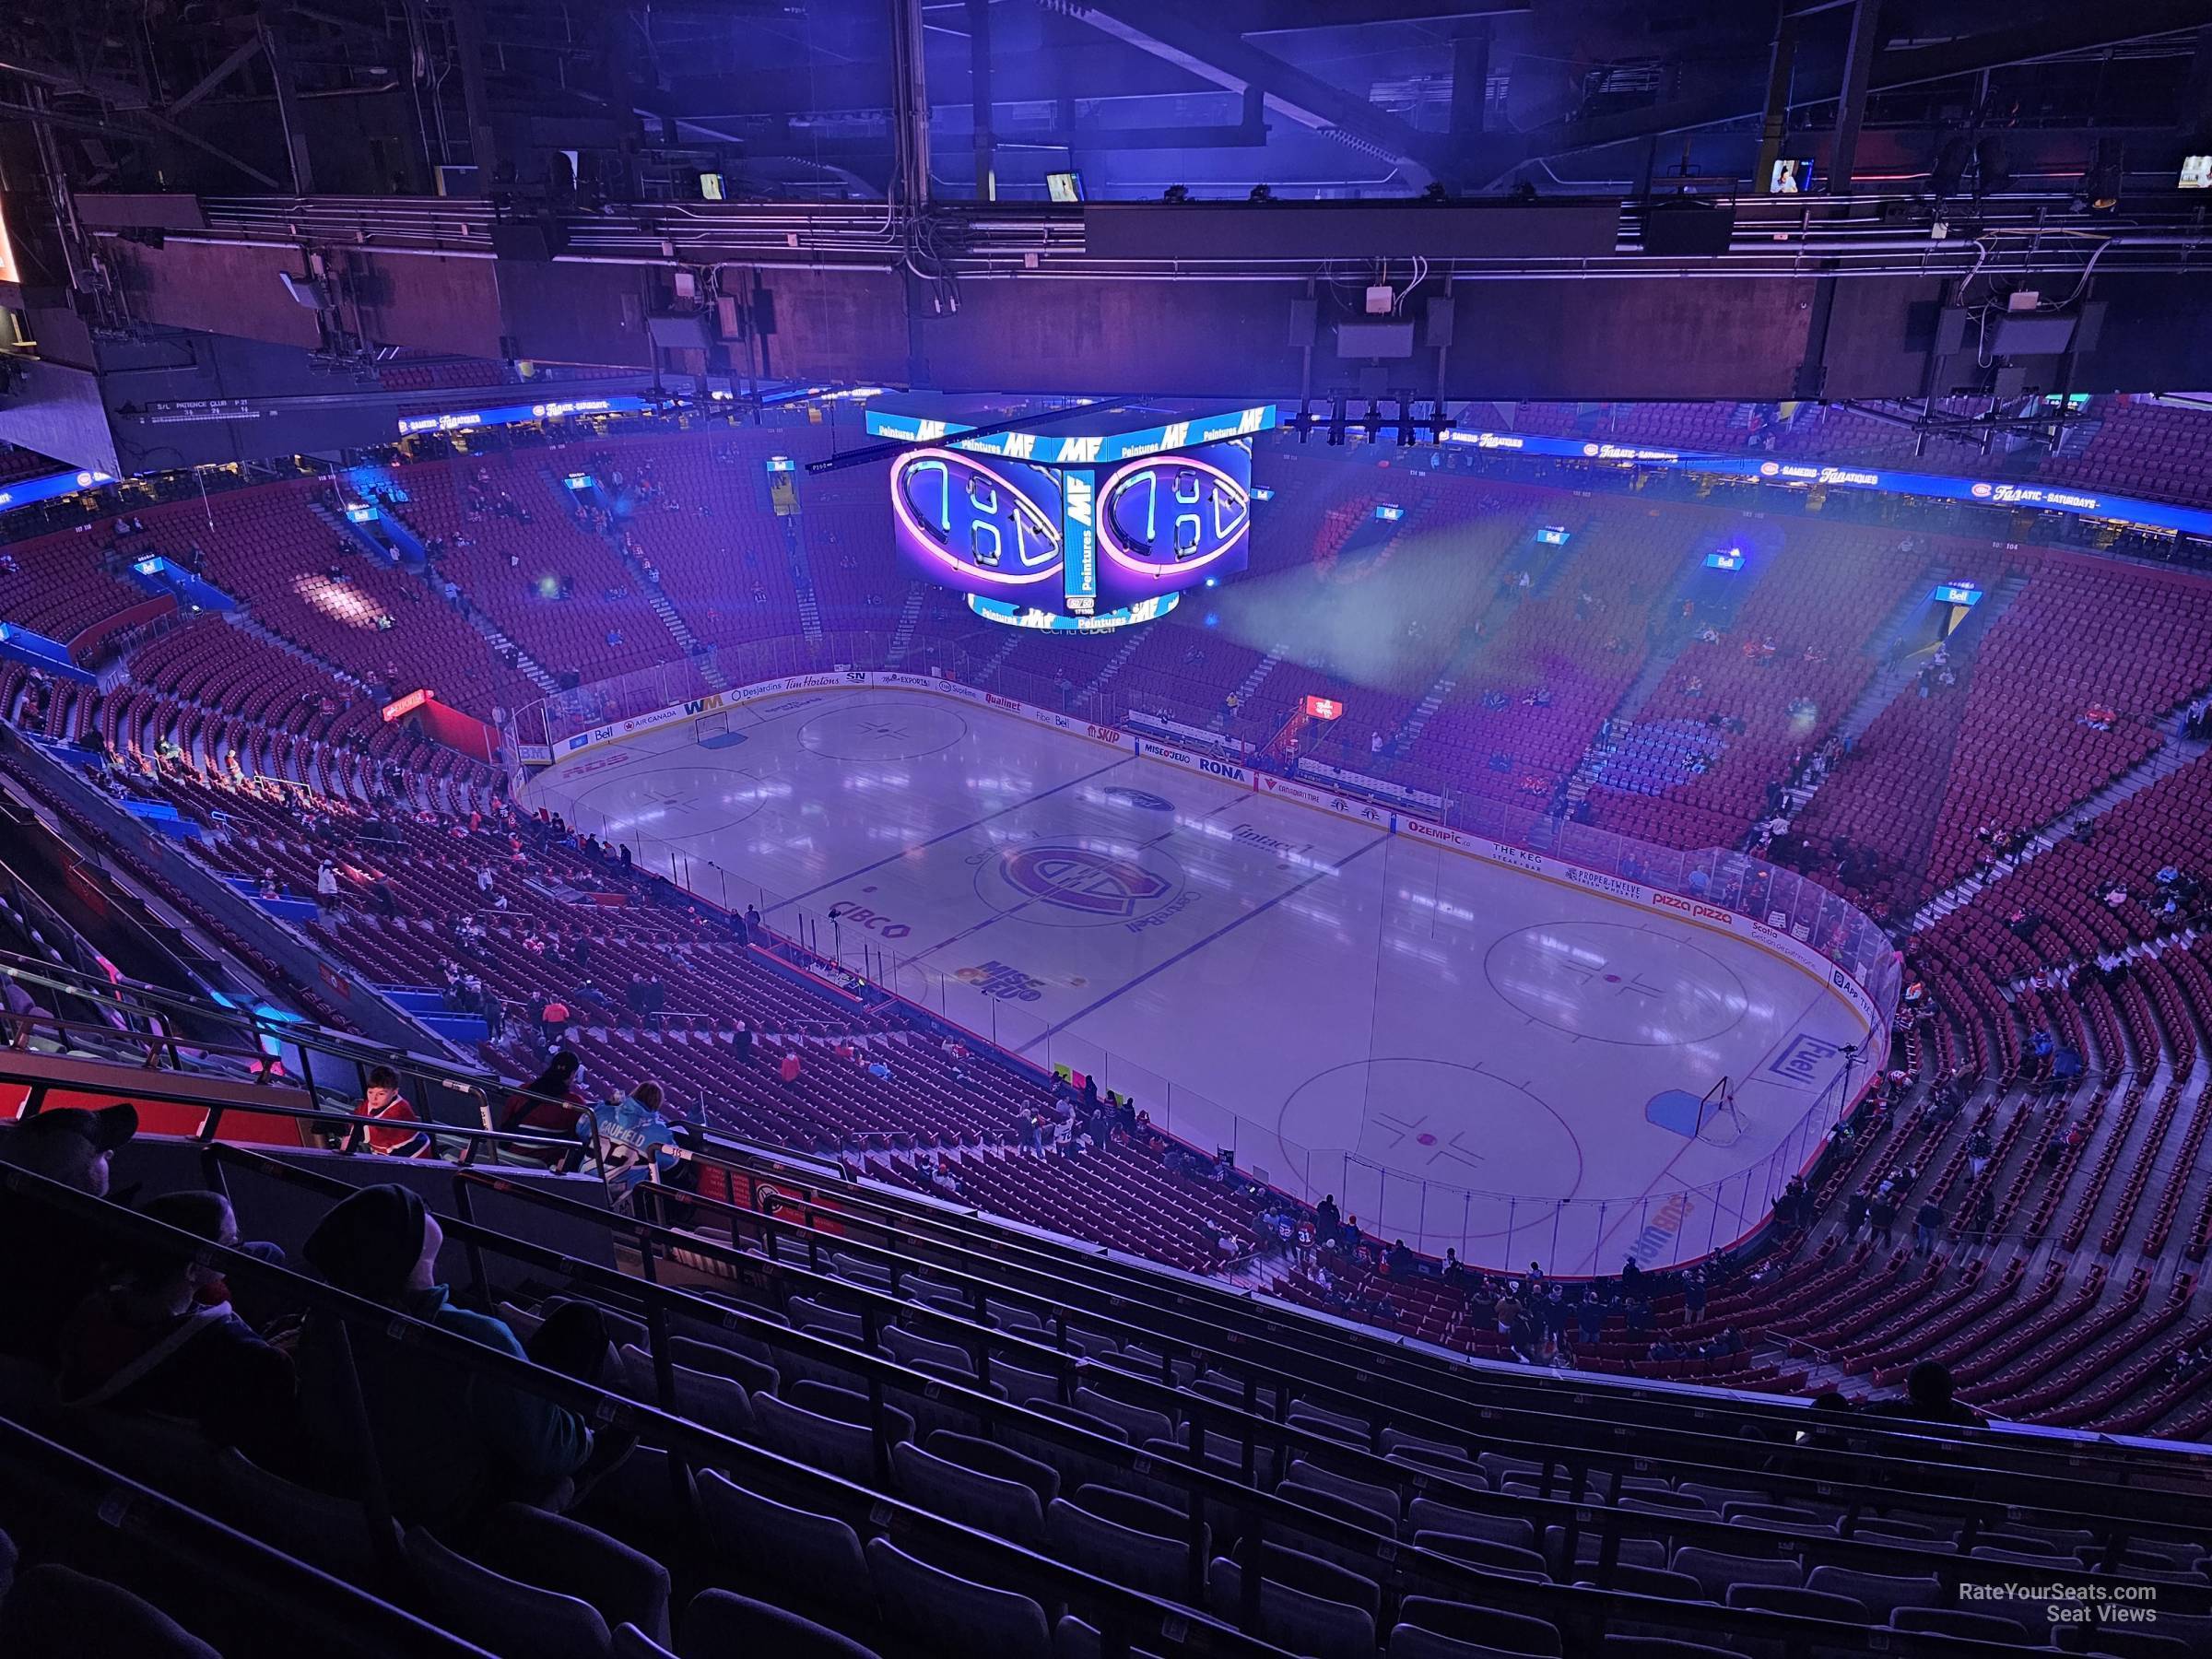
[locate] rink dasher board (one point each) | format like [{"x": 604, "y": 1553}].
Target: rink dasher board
[{"x": 1675, "y": 907}]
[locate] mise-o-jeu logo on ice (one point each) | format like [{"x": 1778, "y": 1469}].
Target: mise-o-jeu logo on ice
[{"x": 997, "y": 980}]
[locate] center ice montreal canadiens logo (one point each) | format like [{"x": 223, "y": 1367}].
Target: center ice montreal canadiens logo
[
  {"x": 1076, "y": 878},
  {"x": 1065, "y": 885}
]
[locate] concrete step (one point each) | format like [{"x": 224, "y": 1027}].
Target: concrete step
[
  {"x": 2162, "y": 762},
  {"x": 245, "y": 621},
  {"x": 910, "y": 617},
  {"x": 984, "y": 673},
  {"x": 1260, "y": 671},
  {"x": 1114, "y": 664}
]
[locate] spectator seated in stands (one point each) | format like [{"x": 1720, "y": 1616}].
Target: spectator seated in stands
[
  {"x": 51, "y": 1263},
  {"x": 1928, "y": 1398},
  {"x": 384, "y": 1101},
  {"x": 160, "y": 1336},
  {"x": 636, "y": 1141},
  {"x": 549, "y": 1103},
  {"x": 450, "y": 1445}
]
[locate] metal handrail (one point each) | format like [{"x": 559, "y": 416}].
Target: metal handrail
[
  {"x": 260, "y": 1074},
  {"x": 155, "y": 1003},
  {"x": 686, "y": 1438},
  {"x": 1901, "y": 1466},
  {"x": 53, "y": 1474},
  {"x": 1260, "y": 1511},
  {"x": 1301, "y": 1336},
  {"x": 355, "y": 1126}
]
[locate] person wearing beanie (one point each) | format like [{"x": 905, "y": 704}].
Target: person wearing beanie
[
  {"x": 50, "y": 1261},
  {"x": 451, "y": 1445}
]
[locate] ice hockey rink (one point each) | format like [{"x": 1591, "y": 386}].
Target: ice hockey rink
[{"x": 1463, "y": 1055}]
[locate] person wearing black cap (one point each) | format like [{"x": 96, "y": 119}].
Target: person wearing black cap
[
  {"x": 50, "y": 1261},
  {"x": 451, "y": 1445}
]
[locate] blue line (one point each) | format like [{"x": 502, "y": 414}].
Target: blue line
[
  {"x": 1201, "y": 944},
  {"x": 957, "y": 829}
]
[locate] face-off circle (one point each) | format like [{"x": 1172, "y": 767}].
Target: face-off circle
[
  {"x": 883, "y": 731},
  {"x": 670, "y": 803},
  {"x": 1459, "y": 1128},
  {"x": 1614, "y": 983}
]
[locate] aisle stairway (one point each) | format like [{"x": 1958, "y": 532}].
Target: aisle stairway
[
  {"x": 910, "y": 616},
  {"x": 2168, "y": 758}
]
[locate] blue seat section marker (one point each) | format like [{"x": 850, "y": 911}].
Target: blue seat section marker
[
  {"x": 157, "y": 574},
  {"x": 21, "y": 644}
]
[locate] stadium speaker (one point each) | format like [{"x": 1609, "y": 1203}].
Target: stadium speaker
[
  {"x": 685, "y": 330},
  {"x": 528, "y": 239},
  {"x": 1688, "y": 227},
  {"x": 1436, "y": 322}
]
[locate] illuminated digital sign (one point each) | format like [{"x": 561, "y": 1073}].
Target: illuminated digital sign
[
  {"x": 1959, "y": 593},
  {"x": 1071, "y": 448},
  {"x": 1091, "y": 527},
  {"x": 460, "y": 420},
  {"x": 1015, "y": 616},
  {"x": 51, "y": 486},
  {"x": 2156, "y": 516}
]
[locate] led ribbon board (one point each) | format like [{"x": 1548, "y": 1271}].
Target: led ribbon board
[
  {"x": 51, "y": 486},
  {"x": 1992, "y": 492},
  {"x": 561, "y": 408}
]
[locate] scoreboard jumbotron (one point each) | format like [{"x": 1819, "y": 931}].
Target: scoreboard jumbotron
[{"x": 1075, "y": 523}]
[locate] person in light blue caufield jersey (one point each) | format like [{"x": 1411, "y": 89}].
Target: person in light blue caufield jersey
[{"x": 636, "y": 1140}]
